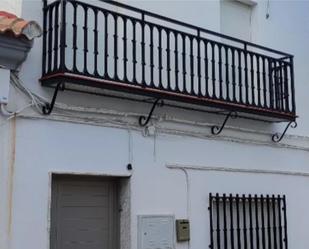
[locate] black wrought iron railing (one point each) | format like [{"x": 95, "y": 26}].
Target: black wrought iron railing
[
  {"x": 115, "y": 46},
  {"x": 248, "y": 221}
]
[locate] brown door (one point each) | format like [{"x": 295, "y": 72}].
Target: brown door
[{"x": 84, "y": 213}]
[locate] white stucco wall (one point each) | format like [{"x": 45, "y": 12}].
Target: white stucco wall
[
  {"x": 12, "y": 6},
  {"x": 155, "y": 189},
  {"x": 44, "y": 146}
]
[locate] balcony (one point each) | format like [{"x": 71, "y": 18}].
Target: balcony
[{"x": 120, "y": 48}]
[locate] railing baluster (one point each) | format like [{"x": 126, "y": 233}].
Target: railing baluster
[
  {"x": 199, "y": 75},
  {"x": 63, "y": 35},
  {"x": 176, "y": 63},
  {"x": 270, "y": 78},
  {"x": 213, "y": 74},
  {"x": 246, "y": 76},
  {"x": 280, "y": 223},
  {"x": 275, "y": 84},
  {"x": 184, "y": 63},
  {"x": 206, "y": 67},
  {"x": 227, "y": 71},
  {"x": 50, "y": 39},
  {"x": 85, "y": 39},
  {"x": 143, "y": 50},
  {"x": 115, "y": 47},
  {"x": 281, "y": 91},
  {"x": 280, "y": 86},
  {"x": 168, "y": 59},
  {"x": 134, "y": 51},
  {"x": 244, "y": 221},
  {"x": 265, "y": 105},
  {"x": 292, "y": 84},
  {"x": 285, "y": 223},
  {"x": 258, "y": 77},
  {"x": 252, "y": 80},
  {"x": 56, "y": 28},
  {"x": 95, "y": 32},
  {"x": 220, "y": 72},
  {"x": 240, "y": 76},
  {"x": 233, "y": 75},
  {"x": 218, "y": 221},
  {"x": 125, "y": 49},
  {"x": 44, "y": 54},
  {"x": 191, "y": 66},
  {"x": 151, "y": 46},
  {"x": 286, "y": 89},
  {"x": 160, "y": 57},
  {"x": 106, "y": 75},
  {"x": 74, "y": 25}
]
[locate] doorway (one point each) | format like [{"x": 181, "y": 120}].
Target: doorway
[{"x": 84, "y": 212}]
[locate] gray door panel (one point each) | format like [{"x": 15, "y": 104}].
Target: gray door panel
[{"x": 84, "y": 213}]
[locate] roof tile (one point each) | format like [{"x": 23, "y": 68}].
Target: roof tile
[{"x": 12, "y": 25}]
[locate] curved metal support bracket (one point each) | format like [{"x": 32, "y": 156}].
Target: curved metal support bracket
[
  {"x": 143, "y": 120},
  {"x": 216, "y": 130},
  {"x": 277, "y": 138},
  {"x": 48, "y": 107}
]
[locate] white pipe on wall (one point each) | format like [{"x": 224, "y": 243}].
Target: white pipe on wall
[{"x": 238, "y": 170}]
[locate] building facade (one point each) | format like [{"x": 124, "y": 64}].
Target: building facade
[{"x": 91, "y": 172}]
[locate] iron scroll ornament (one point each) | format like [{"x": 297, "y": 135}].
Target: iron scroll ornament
[
  {"x": 143, "y": 120},
  {"x": 277, "y": 138},
  {"x": 216, "y": 130}
]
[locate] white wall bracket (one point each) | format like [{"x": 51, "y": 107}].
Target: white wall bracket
[{"x": 4, "y": 85}]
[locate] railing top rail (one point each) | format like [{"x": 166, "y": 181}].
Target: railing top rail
[{"x": 200, "y": 29}]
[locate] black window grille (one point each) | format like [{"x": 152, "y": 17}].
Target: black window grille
[{"x": 248, "y": 222}]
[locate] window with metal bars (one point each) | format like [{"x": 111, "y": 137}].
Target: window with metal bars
[{"x": 248, "y": 222}]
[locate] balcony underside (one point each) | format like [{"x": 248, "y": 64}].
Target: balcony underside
[{"x": 93, "y": 85}]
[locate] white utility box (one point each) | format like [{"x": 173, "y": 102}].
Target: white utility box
[
  {"x": 4, "y": 85},
  {"x": 156, "y": 232}
]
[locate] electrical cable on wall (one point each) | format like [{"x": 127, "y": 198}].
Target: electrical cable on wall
[
  {"x": 4, "y": 112},
  {"x": 11, "y": 114},
  {"x": 35, "y": 100},
  {"x": 38, "y": 101}
]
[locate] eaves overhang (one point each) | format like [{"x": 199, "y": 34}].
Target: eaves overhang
[{"x": 16, "y": 39}]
